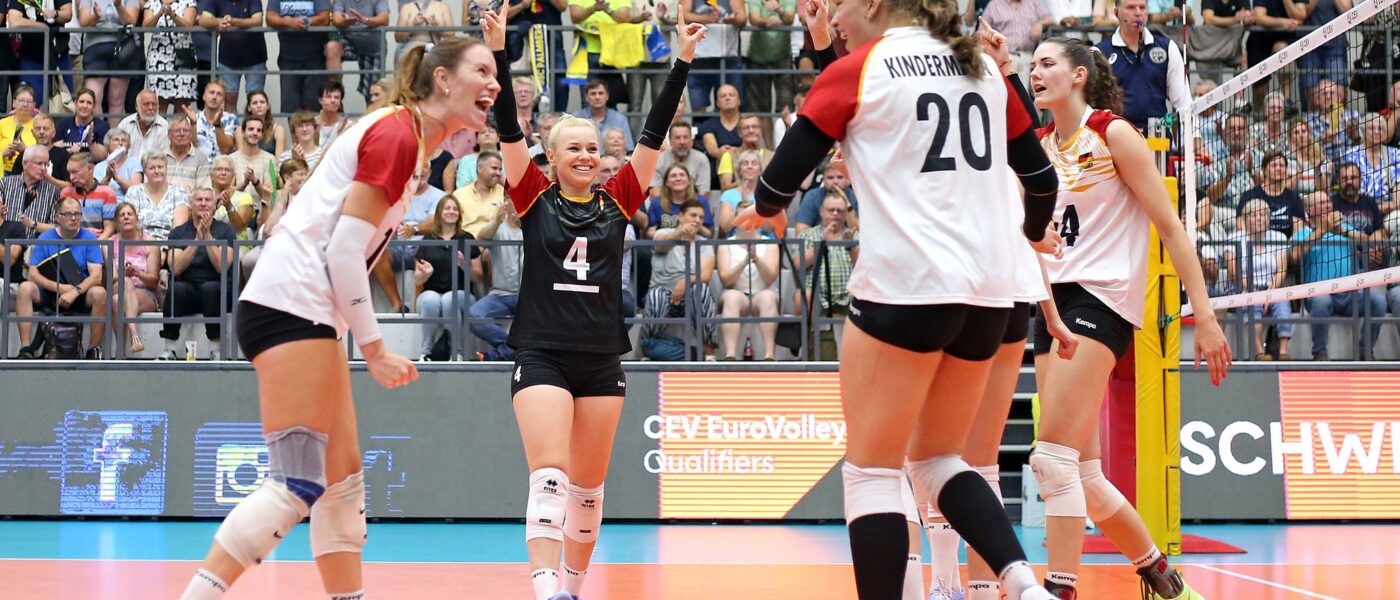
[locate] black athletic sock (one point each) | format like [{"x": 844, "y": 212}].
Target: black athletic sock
[
  {"x": 974, "y": 512},
  {"x": 879, "y": 552}
]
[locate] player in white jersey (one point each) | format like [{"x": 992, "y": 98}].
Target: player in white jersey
[
  {"x": 311, "y": 285},
  {"x": 927, "y": 132},
  {"x": 984, "y": 439},
  {"x": 1110, "y": 191}
]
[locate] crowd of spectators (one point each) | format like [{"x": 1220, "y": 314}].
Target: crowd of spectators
[{"x": 1298, "y": 180}]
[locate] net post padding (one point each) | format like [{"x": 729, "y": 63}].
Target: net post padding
[{"x": 1158, "y": 396}]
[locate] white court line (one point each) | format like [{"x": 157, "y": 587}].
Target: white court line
[{"x": 1266, "y": 582}]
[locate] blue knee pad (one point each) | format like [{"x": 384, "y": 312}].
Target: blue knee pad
[{"x": 296, "y": 458}]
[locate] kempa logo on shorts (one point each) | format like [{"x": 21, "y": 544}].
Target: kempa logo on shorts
[{"x": 1076, "y": 320}]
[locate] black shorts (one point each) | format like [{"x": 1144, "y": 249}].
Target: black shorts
[
  {"x": 583, "y": 374},
  {"x": 261, "y": 328},
  {"x": 1018, "y": 326},
  {"x": 1085, "y": 315},
  {"x": 963, "y": 331},
  {"x": 48, "y": 304}
]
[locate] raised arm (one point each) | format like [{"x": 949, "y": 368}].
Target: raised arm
[{"x": 514, "y": 150}]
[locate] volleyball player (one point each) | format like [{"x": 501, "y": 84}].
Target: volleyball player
[
  {"x": 311, "y": 285},
  {"x": 984, "y": 439},
  {"x": 568, "y": 385},
  {"x": 1110, "y": 191},
  {"x": 923, "y": 123}
]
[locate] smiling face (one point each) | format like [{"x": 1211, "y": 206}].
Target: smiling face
[
  {"x": 677, "y": 180},
  {"x": 451, "y": 213},
  {"x": 750, "y": 167},
  {"x": 488, "y": 171},
  {"x": 852, "y": 21},
  {"x": 252, "y": 132},
  {"x": 473, "y": 79},
  {"x": 202, "y": 203},
  {"x": 693, "y": 216},
  {"x": 751, "y": 132},
  {"x": 574, "y": 153},
  {"x": 84, "y": 106}
]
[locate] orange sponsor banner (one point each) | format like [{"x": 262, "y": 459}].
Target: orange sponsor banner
[
  {"x": 743, "y": 445},
  {"x": 1338, "y": 443}
]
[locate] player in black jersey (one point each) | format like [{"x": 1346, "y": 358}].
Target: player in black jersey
[{"x": 568, "y": 384}]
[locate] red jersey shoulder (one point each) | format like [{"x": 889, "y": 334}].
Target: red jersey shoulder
[
  {"x": 835, "y": 96},
  {"x": 531, "y": 185},
  {"x": 1044, "y": 131},
  {"x": 1017, "y": 119},
  {"x": 1099, "y": 121},
  {"x": 387, "y": 156}
]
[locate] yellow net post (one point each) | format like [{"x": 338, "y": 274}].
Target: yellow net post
[{"x": 1158, "y": 394}]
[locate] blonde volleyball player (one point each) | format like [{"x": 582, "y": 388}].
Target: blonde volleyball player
[
  {"x": 1110, "y": 191},
  {"x": 311, "y": 285},
  {"x": 922, "y": 120},
  {"x": 568, "y": 385}
]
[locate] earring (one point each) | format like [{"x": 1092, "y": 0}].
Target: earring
[{"x": 446, "y": 92}]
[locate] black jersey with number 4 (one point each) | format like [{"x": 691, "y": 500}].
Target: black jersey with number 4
[{"x": 571, "y": 282}]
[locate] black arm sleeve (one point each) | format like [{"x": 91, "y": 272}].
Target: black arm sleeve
[
  {"x": 1026, "y": 99},
  {"x": 1027, "y": 159},
  {"x": 507, "y": 124},
  {"x": 663, "y": 110},
  {"x": 825, "y": 57},
  {"x": 803, "y": 148}
]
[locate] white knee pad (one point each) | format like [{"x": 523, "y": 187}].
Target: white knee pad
[
  {"x": 338, "y": 519},
  {"x": 545, "y": 509},
  {"x": 992, "y": 475},
  {"x": 1101, "y": 498},
  {"x": 931, "y": 474},
  {"x": 259, "y": 522},
  {"x": 1056, "y": 469},
  {"x": 871, "y": 491},
  {"x": 906, "y": 498},
  {"x": 584, "y": 513}
]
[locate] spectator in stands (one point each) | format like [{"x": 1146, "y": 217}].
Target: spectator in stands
[
  {"x": 1150, "y": 69},
  {"x": 12, "y": 267},
  {"x": 185, "y": 165},
  {"x": 438, "y": 295},
  {"x": 596, "y": 96},
  {"x": 1307, "y": 165},
  {"x": 1285, "y": 206},
  {"x": 48, "y": 292},
  {"x": 360, "y": 39},
  {"x": 99, "y": 48},
  {"x": 770, "y": 49},
  {"x": 673, "y": 278},
  {"x": 665, "y": 209},
  {"x": 253, "y": 166},
  {"x": 523, "y": 90},
  {"x": 98, "y": 202},
  {"x": 216, "y": 130},
  {"x": 400, "y": 256},
  {"x": 1233, "y": 173},
  {"x": 1211, "y": 233},
  {"x": 1333, "y": 124},
  {"x": 682, "y": 143},
  {"x": 749, "y": 274},
  {"x": 83, "y": 132},
  {"x": 30, "y": 198},
  {"x": 750, "y": 140},
  {"x": 43, "y": 127},
  {"x": 750, "y": 168},
  {"x": 146, "y": 130},
  {"x": 1022, "y": 22},
  {"x": 299, "y": 49},
  {"x": 121, "y": 170},
  {"x": 1268, "y": 132},
  {"x": 719, "y": 51},
  {"x": 1325, "y": 247},
  {"x": 502, "y": 301},
  {"x": 662, "y": 15},
  {"x": 522, "y": 17},
  {"x": 1275, "y": 22},
  {"x": 1361, "y": 211},
  {"x": 615, "y": 144},
  {"x": 809, "y": 211},
  {"x": 431, "y": 13},
  {"x": 36, "y": 50},
  {"x": 379, "y": 90},
  {"x": 1265, "y": 269},
  {"x": 839, "y": 260},
  {"x": 788, "y": 116},
  {"x": 480, "y": 201},
  {"x": 543, "y": 124},
  {"x": 487, "y": 140},
  {"x": 274, "y": 137},
  {"x": 171, "y": 52},
  {"x": 719, "y": 135},
  {"x": 17, "y": 128},
  {"x": 306, "y": 139},
  {"x": 200, "y": 274},
  {"x": 332, "y": 120},
  {"x": 236, "y": 208},
  {"x": 1227, "y": 14},
  {"x": 160, "y": 204},
  {"x": 1379, "y": 163},
  {"x": 240, "y": 51},
  {"x": 1330, "y": 59},
  {"x": 1211, "y": 122},
  {"x": 1391, "y": 112},
  {"x": 589, "y": 16},
  {"x": 140, "y": 271},
  {"x": 293, "y": 175}
]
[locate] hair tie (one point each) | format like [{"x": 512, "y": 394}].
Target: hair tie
[{"x": 428, "y": 47}]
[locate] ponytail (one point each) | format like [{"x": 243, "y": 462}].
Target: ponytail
[
  {"x": 1101, "y": 89},
  {"x": 942, "y": 19},
  {"x": 414, "y": 83}
]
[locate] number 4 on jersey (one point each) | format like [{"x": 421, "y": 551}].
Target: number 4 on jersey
[
  {"x": 1068, "y": 227},
  {"x": 577, "y": 258}
]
